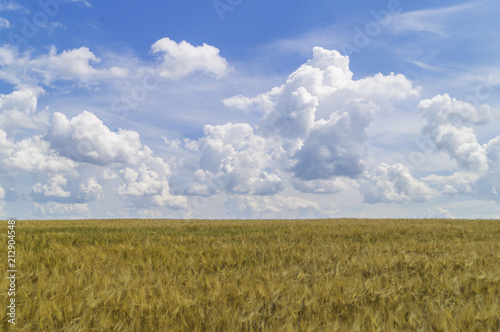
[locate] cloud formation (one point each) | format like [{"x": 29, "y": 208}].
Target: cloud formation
[
  {"x": 85, "y": 138},
  {"x": 320, "y": 116},
  {"x": 182, "y": 59},
  {"x": 450, "y": 124},
  {"x": 19, "y": 110},
  {"x": 394, "y": 183},
  {"x": 77, "y": 65},
  {"x": 307, "y": 137}
]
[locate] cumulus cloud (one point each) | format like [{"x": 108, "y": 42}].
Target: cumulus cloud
[
  {"x": 90, "y": 189},
  {"x": 35, "y": 155},
  {"x": 18, "y": 110},
  {"x": 183, "y": 59},
  {"x": 462, "y": 145},
  {"x": 460, "y": 182},
  {"x": 493, "y": 152},
  {"x": 488, "y": 185},
  {"x": 394, "y": 183},
  {"x": 166, "y": 199},
  {"x": 335, "y": 147},
  {"x": 6, "y": 145},
  {"x": 80, "y": 160},
  {"x": 86, "y": 138},
  {"x": 320, "y": 116},
  {"x": 140, "y": 182},
  {"x": 144, "y": 177},
  {"x": 236, "y": 160},
  {"x": 443, "y": 109},
  {"x": 311, "y": 137},
  {"x": 69, "y": 188},
  {"x": 73, "y": 64},
  {"x": 53, "y": 188},
  {"x": 448, "y": 125}
]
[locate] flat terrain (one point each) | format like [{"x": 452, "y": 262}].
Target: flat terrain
[{"x": 271, "y": 275}]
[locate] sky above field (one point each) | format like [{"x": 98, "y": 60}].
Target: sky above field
[{"x": 249, "y": 109}]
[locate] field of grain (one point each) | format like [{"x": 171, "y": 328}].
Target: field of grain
[{"x": 270, "y": 275}]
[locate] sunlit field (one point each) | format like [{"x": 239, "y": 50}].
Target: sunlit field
[{"x": 271, "y": 275}]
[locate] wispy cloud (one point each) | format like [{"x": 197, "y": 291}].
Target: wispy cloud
[
  {"x": 83, "y": 2},
  {"x": 11, "y": 6},
  {"x": 4, "y": 24},
  {"x": 434, "y": 21}
]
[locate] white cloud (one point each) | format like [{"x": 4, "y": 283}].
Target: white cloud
[
  {"x": 54, "y": 188},
  {"x": 85, "y": 138},
  {"x": 83, "y": 2},
  {"x": 460, "y": 182},
  {"x": 91, "y": 189},
  {"x": 489, "y": 183},
  {"x": 183, "y": 59},
  {"x": 394, "y": 183},
  {"x": 6, "y": 145},
  {"x": 442, "y": 109},
  {"x": 448, "y": 125},
  {"x": 18, "y": 110},
  {"x": 320, "y": 115},
  {"x": 236, "y": 160},
  {"x": 335, "y": 147},
  {"x": 12, "y": 6},
  {"x": 34, "y": 154},
  {"x": 147, "y": 185},
  {"x": 144, "y": 177},
  {"x": 166, "y": 199},
  {"x": 24, "y": 99},
  {"x": 461, "y": 144},
  {"x": 311, "y": 137},
  {"x": 71, "y": 65},
  {"x": 141, "y": 182},
  {"x": 493, "y": 153}
]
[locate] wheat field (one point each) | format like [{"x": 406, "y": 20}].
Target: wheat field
[{"x": 256, "y": 275}]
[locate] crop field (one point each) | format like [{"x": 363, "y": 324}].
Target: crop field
[{"x": 255, "y": 275}]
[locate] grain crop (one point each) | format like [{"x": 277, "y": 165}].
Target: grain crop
[{"x": 256, "y": 275}]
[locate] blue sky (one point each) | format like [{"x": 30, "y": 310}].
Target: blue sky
[{"x": 249, "y": 109}]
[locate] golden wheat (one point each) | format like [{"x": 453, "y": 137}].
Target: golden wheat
[{"x": 270, "y": 275}]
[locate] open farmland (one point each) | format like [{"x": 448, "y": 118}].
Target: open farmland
[{"x": 271, "y": 275}]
